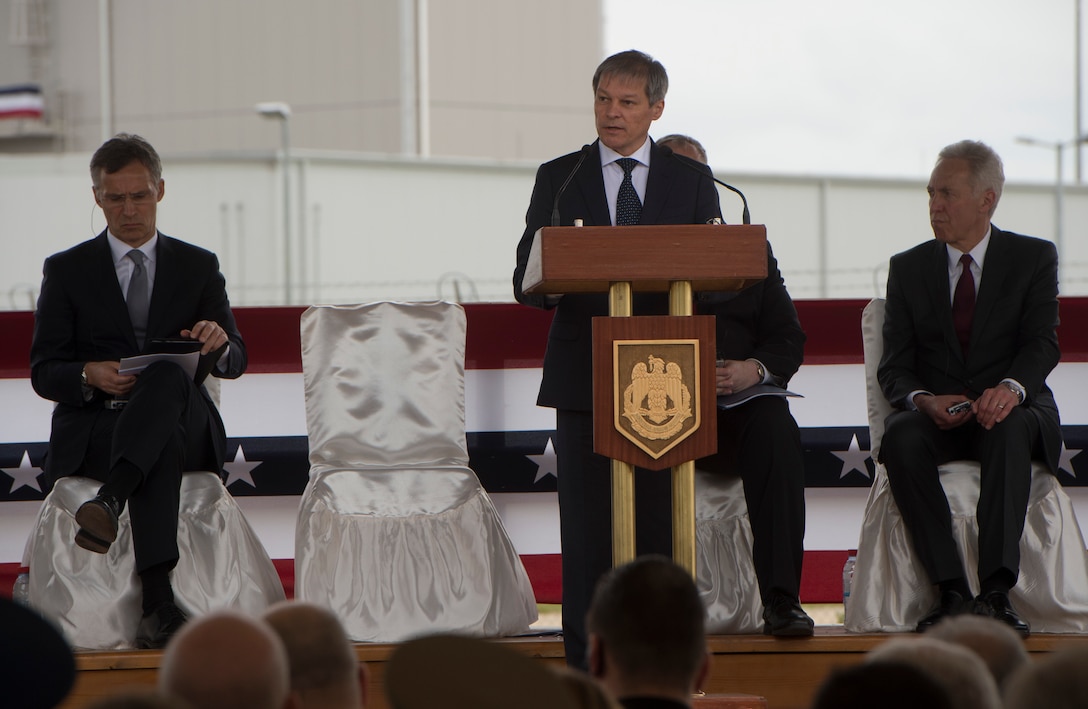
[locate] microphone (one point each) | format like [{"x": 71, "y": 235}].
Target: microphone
[
  {"x": 745, "y": 217},
  {"x": 563, "y": 187}
]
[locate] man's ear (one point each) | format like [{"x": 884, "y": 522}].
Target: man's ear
[
  {"x": 364, "y": 682},
  {"x": 703, "y": 673},
  {"x": 596, "y": 656}
]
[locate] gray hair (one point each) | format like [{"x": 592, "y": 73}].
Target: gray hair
[
  {"x": 682, "y": 140},
  {"x": 987, "y": 172}
]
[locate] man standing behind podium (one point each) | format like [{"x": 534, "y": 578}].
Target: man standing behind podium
[
  {"x": 622, "y": 178},
  {"x": 100, "y": 301}
]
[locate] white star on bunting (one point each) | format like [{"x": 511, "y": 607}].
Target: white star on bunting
[
  {"x": 545, "y": 463},
  {"x": 25, "y": 475},
  {"x": 240, "y": 469},
  {"x": 852, "y": 459},
  {"x": 1066, "y": 461}
]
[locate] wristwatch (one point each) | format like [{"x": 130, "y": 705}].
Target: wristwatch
[
  {"x": 1019, "y": 393},
  {"x": 83, "y": 376},
  {"x": 760, "y": 370}
]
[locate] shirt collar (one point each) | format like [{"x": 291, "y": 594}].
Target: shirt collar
[
  {"x": 120, "y": 249},
  {"x": 608, "y": 155},
  {"x": 978, "y": 254}
]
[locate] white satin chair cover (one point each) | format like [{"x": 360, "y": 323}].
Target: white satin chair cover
[
  {"x": 96, "y": 598},
  {"x": 395, "y": 533},
  {"x": 726, "y": 575},
  {"x": 891, "y": 591}
]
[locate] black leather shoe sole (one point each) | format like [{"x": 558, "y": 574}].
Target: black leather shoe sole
[
  {"x": 97, "y": 526},
  {"x": 798, "y": 628},
  {"x": 157, "y": 627}
]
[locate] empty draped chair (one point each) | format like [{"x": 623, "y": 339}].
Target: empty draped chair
[
  {"x": 726, "y": 574},
  {"x": 395, "y": 533},
  {"x": 96, "y": 598},
  {"x": 891, "y": 591}
]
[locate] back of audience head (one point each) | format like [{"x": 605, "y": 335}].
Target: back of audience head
[
  {"x": 884, "y": 684},
  {"x": 140, "y": 699},
  {"x": 646, "y": 626},
  {"x": 584, "y": 691},
  {"x": 460, "y": 672},
  {"x": 227, "y": 660},
  {"x": 999, "y": 646},
  {"x": 1056, "y": 681},
  {"x": 37, "y": 667},
  {"x": 685, "y": 145},
  {"x": 325, "y": 671},
  {"x": 960, "y": 671}
]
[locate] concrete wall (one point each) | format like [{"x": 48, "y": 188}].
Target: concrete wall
[{"x": 373, "y": 228}]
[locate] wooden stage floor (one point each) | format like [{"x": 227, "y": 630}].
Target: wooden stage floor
[{"x": 786, "y": 672}]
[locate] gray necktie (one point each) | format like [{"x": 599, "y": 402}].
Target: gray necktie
[
  {"x": 137, "y": 297},
  {"x": 628, "y": 205}
]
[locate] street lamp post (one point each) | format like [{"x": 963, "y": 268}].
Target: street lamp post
[
  {"x": 282, "y": 112},
  {"x": 1059, "y": 149}
]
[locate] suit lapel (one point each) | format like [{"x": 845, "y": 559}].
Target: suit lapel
[
  {"x": 590, "y": 182},
  {"x": 995, "y": 271},
  {"x": 167, "y": 278},
  {"x": 658, "y": 185},
  {"x": 941, "y": 297},
  {"x": 104, "y": 276}
]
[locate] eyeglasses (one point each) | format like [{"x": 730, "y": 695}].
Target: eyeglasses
[{"x": 137, "y": 198}]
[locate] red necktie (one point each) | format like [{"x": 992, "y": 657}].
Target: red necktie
[{"x": 963, "y": 304}]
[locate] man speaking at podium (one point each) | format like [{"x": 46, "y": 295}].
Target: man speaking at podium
[
  {"x": 100, "y": 301},
  {"x": 625, "y": 178}
]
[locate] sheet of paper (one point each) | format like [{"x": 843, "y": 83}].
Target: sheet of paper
[{"x": 137, "y": 364}]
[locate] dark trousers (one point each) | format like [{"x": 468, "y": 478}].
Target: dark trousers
[
  {"x": 759, "y": 441},
  {"x": 163, "y": 430},
  {"x": 911, "y": 450}
]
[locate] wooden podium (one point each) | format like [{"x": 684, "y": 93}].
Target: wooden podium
[{"x": 654, "y": 402}]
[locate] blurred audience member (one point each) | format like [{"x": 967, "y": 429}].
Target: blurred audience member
[
  {"x": 647, "y": 637},
  {"x": 140, "y": 699},
  {"x": 960, "y": 671},
  {"x": 37, "y": 668},
  {"x": 884, "y": 684},
  {"x": 459, "y": 672},
  {"x": 226, "y": 660},
  {"x": 1057, "y": 681},
  {"x": 325, "y": 671},
  {"x": 585, "y": 692},
  {"x": 999, "y": 646}
]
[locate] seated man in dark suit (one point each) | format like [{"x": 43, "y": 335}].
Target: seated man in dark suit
[
  {"x": 970, "y": 335},
  {"x": 625, "y": 178},
  {"x": 647, "y": 634},
  {"x": 104, "y": 300}
]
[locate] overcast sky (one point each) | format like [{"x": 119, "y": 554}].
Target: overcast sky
[{"x": 860, "y": 87}]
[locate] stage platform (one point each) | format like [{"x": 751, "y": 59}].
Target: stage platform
[{"x": 785, "y": 672}]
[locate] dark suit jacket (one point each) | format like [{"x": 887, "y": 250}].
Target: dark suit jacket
[
  {"x": 1013, "y": 333},
  {"x": 675, "y": 194},
  {"x": 82, "y": 317}
]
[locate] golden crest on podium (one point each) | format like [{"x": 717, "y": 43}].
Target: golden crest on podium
[{"x": 657, "y": 392}]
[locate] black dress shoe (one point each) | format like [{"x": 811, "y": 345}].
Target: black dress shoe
[
  {"x": 996, "y": 605},
  {"x": 951, "y": 603},
  {"x": 158, "y": 626},
  {"x": 97, "y": 520},
  {"x": 783, "y": 618}
]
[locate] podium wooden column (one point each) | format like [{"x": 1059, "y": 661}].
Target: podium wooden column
[{"x": 678, "y": 259}]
